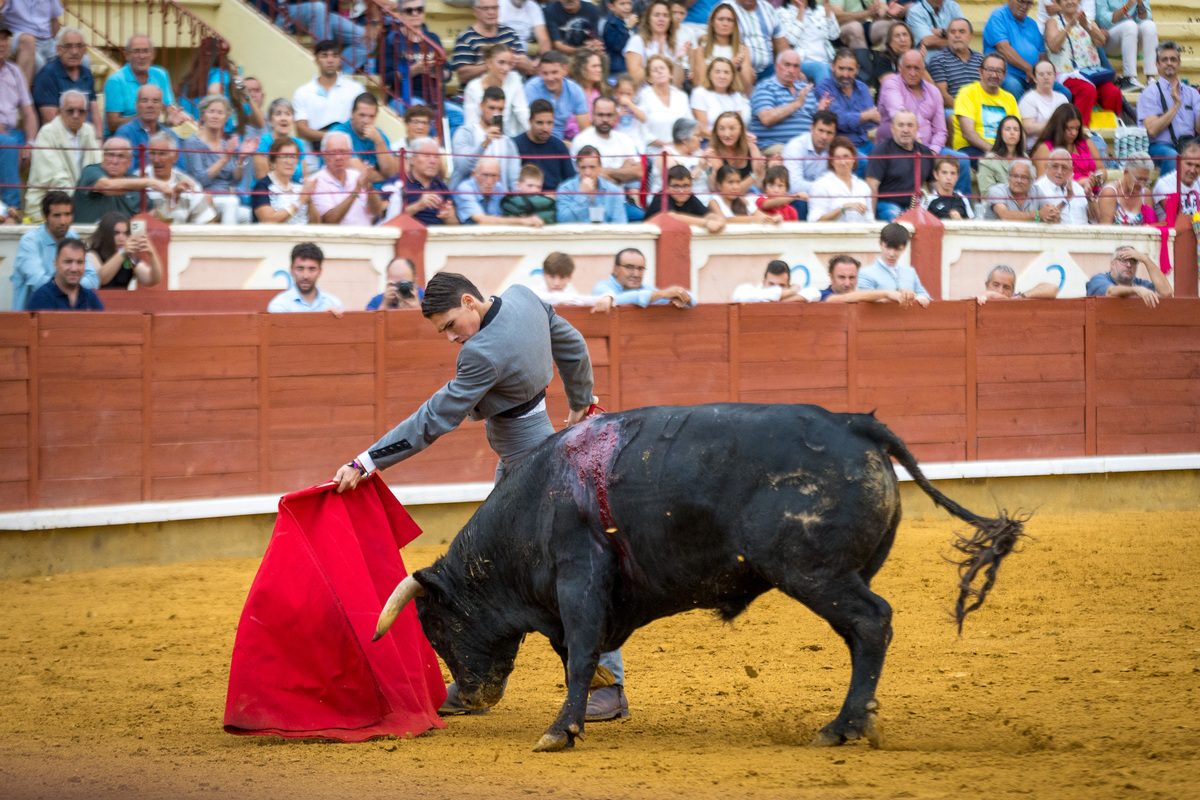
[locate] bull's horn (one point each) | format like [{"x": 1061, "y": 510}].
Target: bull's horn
[{"x": 405, "y": 591}]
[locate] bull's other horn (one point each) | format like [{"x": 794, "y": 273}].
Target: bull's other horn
[{"x": 405, "y": 591}]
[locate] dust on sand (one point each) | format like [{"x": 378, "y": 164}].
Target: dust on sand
[{"x": 1076, "y": 679}]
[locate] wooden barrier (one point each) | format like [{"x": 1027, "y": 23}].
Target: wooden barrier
[{"x": 123, "y": 407}]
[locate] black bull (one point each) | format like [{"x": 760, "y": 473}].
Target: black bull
[{"x": 630, "y": 517}]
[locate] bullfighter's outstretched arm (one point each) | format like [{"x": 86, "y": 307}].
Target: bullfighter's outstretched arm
[{"x": 570, "y": 353}]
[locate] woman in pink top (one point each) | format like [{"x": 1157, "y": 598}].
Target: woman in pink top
[{"x": 1065, "y": 130}]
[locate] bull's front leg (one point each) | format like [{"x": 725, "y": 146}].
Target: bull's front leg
[{"x": 581, "y": 666}]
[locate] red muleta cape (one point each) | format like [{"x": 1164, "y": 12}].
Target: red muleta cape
[{"x": 303, "y": 661}]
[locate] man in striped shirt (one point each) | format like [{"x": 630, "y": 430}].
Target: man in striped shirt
[
  {"x": 957, "y": 65},
  {"x": 467, "y": 61}
]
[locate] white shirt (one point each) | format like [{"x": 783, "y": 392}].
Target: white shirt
[
  {"x": 565, "y": 297},
  {"x": 1086, "y": 6},
  {"x": 1189, "y": 196},
  {"x": 660, "y": 118},
  {"x": 828, "y": 192},
  {"x": 804, "y": 164},
  {"x": 635, "y": 44},
  {"x": 320, "y": 108},
  {"x": 1033, "y": 106},
  {"x": 516, "y": 106},
  {"x": 714, "y": 105},
  {"x": 613, "y": 150},
  {"x": 1074, "y": 212},
  {"x": 755, "y": 293},
  {"x": 522, "y": 19}
]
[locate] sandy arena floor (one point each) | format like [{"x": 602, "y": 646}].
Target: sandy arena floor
[{"x": 1076, "y": 680}]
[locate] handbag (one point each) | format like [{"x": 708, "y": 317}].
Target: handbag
[
  {"x": 1129, "y": 139},
  {"x": 1099, "y": 75}
]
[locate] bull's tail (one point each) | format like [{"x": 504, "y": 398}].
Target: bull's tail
[{"x": 982, "y": 550}]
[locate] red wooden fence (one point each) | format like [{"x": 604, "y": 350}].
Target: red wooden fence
[{"x": 116, "y": 407}]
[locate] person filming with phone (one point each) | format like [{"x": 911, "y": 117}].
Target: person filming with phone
[{"x": 401, "y": 291}]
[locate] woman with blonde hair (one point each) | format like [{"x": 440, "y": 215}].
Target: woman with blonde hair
[
  {"x": 720, "y": 91},
  {"x": 655, "y": 37},
  {"x": 730, "y": 146},
  {"x": 498, "y": 59},
  {"x": 723, "y": 39}
]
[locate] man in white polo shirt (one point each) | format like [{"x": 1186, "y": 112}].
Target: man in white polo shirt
[
  {"x": 327, "y": 99},
  {"x": 618, "y": 162}
]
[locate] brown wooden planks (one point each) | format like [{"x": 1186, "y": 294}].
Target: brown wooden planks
[
  {"x": 936, "y": 371},
  {"x": 1018, "y": 395},
  {"x": 81, "y": 361},
  {"x": 1031, "y": 422},
  {"x": 205, "y": 426},
  {"x": 355, "y": 358},
  {"x": 1147, "y": 392},
  {"x": 1030, "y": 368},
  {"x": 205, "y": 330},
  {"x": 1140, "y": 340},
  {"x": 88, "y": 330},
  {"x": 202, "y": 458},
  {"x": 1047, "y": 446},
  {"x": 910, "y": 344},
  {"x": 198, "y": 363},
  {"x": 207, "y": 395}
]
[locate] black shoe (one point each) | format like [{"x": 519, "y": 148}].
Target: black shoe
[
  {"x": 606, "y": 703},
  {"x": 454, "y": 705}
]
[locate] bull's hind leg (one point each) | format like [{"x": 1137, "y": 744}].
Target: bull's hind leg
[{"x": 864, "y": 620}]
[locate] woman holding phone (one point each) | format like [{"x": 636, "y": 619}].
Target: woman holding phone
[{"x": 120, "y": 251}]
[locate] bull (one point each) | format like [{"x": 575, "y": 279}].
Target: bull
[{"x": 629, "y": 517}]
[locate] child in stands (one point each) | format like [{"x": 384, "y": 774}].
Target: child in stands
[
  {"x": 528, "y": 201},
  {"x": 777, "y": 199},
  {"x": 943, "y": 201},
  {"x": 729, "y": 202}
]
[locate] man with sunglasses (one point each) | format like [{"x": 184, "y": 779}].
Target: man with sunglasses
[
  {"x": 64, "y": 147},
  {"x": 66, "y": 71},
  {"x": 408, "y": 55},
  {"x": 18, "y": 126}
]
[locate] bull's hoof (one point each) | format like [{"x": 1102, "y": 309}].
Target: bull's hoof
[
  {"x": 553, "y": 741},
  {"x": 841, "y": 731}
]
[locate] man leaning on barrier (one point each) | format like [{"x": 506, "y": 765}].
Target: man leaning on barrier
[
  {"x": 1121, "y": 278},
  {"x": 1001, "y": 284}
]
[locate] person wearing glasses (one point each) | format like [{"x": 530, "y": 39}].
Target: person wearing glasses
[
  {"x": 625, "y": 284},
  {"x": 18, "y": 127},
  {"x": 63, "y": 148},
  {"x": 980, "y": 108},
  {"x": 66, "y": 71},
  {"x": 413, "y": 45},
  {"x": 108, "y": 186},
  {"x": 1121, "y": 279},
  {"x": 120, "y": 90},
  {"x": 1015, "y": 35}
]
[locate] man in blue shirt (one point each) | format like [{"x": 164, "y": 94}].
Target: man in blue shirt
[
  {"x": 541, "y": 148},
  {"x": 402, "y": 290},
  {"x": 929, "y": 20},
  {"x": 137, "y": 131},
  {"x": 1121, "y": 279},
  {"x": 624, "y": 285},
  {"x": 120, "y": 90},
  {"x": 848, "y": 97},
  {"x": 371, "y": 146},
  {"x": 565, "y": 96},
  {"x": 66, "y": 71},
  {"x": 304, "y": 294},
  {"x": 426, "y": 196},
  {"x": 886, "y": 272},
  {"x": 588, "y": 197},
  {"x": 781, "y": 106},
  {"x": 33, "y": 264},
  {"x": 1012, "y": 33},
  {"x": 64, "y": 291}
]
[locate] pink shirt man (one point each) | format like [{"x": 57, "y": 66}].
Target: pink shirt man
[
  {"x": 894, "y": 95},
  {"x": 329, "y": 192}
]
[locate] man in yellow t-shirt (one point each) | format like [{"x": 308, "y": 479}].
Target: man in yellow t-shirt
[{"x": 979, "y": 108}]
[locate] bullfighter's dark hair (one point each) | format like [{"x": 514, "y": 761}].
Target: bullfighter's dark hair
[
  {"x": 445, "y": 291},
  {"x": 308, "y": 250}
]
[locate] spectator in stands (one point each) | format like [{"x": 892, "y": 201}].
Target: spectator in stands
[
  {"x": 426, "y": 196},
  {"x": 1012, "y": 201},
  {"x": 682, "y": 203},
  {"x": 1037, "y": 104},
  {"x": 1056, "y": 190},
  {"x": 120, "y": 89},
  {"x": 781, "y": 106},
  {"x": 66, "y": 291},
  {"x": 843, "y": 286},
  {"x": 619, "y": 160},
  {"x": 555, "y": 289},
  {"x": 1129, "y": 200},
  {"x": 625, "y": 284},
  {"x": 729, "y": 202},
  {"x": 33, "y": 263},
  {"x": 343, "y": 195},
  {"x": 541, "y": 148},
  {"x": 407, "y": 59},
  {"x": 685, "y": 151},
  {"x": 278, "y": 197},
  {"x": 371, "y": 148},
  {"x": 892, "y": 175},
  {"x": 731, "y": 146},
  {"x": 1168, "y": 109},
  {"x": 401, "y": 290},
  {"x": 723, "y": 39},
  {"x": 485, "y": 138},
  {"x": 217, "y": 161},
  {"x": 564, "y": 95},
  {"x": 498, "y": 59},
  {"x": 863, "y": 23},
  {"x": 18, "y": 128},
  {"x": 848, "y": 97},
  {"x": 928, "y": 22},
  {"x": 304, "y": 295},
  {"x": 979, "y": 107},
  {"x": 809, "y": 26},
  {"x": 720, "y": 91},
  {"x": 1001, "y": 284},
  {"x": 776, "y": 286},
  {"x": 615, "y": 31},
  {"x": 1016, "y": 37},
  {"x": 467, "y": 61},
  {"x": 807, "y": 156},
  {"x": 573, "y": 26},
  {"x": 148, "y": 109},
  {"x": 957, "y": 65},
  {"x": 1121, "y": 278},
  {"x": 886, "y": 60},
  {"x": 590, "y": 71},
  {"x": 588, "y": 197},
  {"x": 886, "y": 271},
  {"x": 1071, "y": 41},
  {"x": 1065, "y": 131},
  {"x": 186, "y": 202},
  {"x": 62, "y": 149},
  {"x": 632, "y": 117},
  {"x": 662, "y": 104},
  {"x": 528, "y": 200},
  {"x": 252, "y": 90},
  {"x": 479, "y": 197},
  {"x": 762, "y": 35},
  {"x": 281, "y": 118},
  {"x": 66, "y": 71},
  {"x": 418, "y": 124},
  {"x": 33, "y": 24},
  {"x": 529, "y": 21},
  {"x": 777, "y": 198},
  {"x": 107, "y": 186},
  {"x": 656, "y": 36},
  {"x": 1009, "y": 144},
  {"x": 1125, "y": 21},
  {"x": 118, "y": 257},
  {"x": 211, "y": 72},
  {"x": 909, "y": 89},
  {"x": 840, "y": 195},
  {"x": 1180, "y": 193},
  {"x": 942, "y": 200},
  {"x": 327, "y": 99},
  {"x": 320, "y": 20}
]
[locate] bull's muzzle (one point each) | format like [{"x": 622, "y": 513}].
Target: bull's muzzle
[{"x": 405, "y": 591}]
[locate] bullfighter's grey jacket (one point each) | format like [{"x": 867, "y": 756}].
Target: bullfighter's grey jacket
[{"x": 507, "y": 363}]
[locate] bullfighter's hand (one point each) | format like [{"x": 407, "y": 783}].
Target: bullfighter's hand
[{"x": 347, "y": 477}]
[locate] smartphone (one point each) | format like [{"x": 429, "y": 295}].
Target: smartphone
[
  {"x": 137, "y": 227},
  {"x": 498, "y": 121}
]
